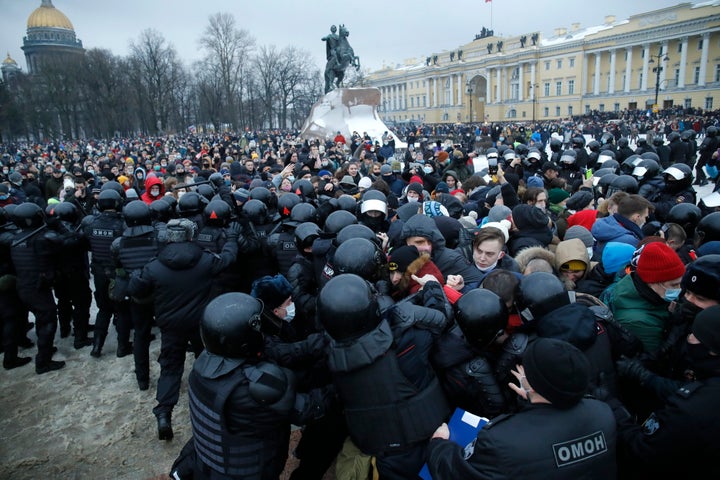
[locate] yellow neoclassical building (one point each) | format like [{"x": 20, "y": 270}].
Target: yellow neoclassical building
[{"x": 669, "y": 57}]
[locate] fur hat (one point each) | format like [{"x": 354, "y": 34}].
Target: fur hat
[{"x": 272, "y": 291}]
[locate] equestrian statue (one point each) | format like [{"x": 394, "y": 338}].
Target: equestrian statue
[{"x": 339, "y": 56}]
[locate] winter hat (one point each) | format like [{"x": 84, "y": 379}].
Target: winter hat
[
  {"x": 535, "y": 182},
  {"x": 400, "y": 258},
  {"x": 529, "y": 217},
  {"x": 708, "y": 248},
  {"x": 324, "y": 173},
  {"x": 15, "y": 178},
  {"x": 470, "y": 220},
  {"x": 131, "y": 194},
  {"x": 385, "y": 170},
  {"x": 442, "y": 156},
  {"x": 557, "y": 195},
  {"x": 432, "y": 208},
  {"x": 659, "y": 263},
  {"x": 579, "y": 200},
  {"x": 616, "y": 256},
  {"x": 122, "y": 179},
  {"x": 272, "y": 291},
  {"x": 706, "y": 328},
  {"x": 347, "y": 179},
  {"x": 549, "y": 166},
  {"x": 416, "y": 179},
  {"x": 703, "y": 277},
  {"x": 499, "y": 212},
  {"x": 492, "y": 194},
  {"x": 442, "y": 187},
  {"x": 557, "y": 370},
  {"x": 578, "y": 231},
  {"x": 365, "y": 182},
  {"x": 586, "y": 218},
  {"x": 503, "y": 225},
  {"x": 415, "y": 187}
]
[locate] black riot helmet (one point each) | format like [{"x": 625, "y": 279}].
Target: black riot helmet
[
  {"x": 113, "y": 185},
  {"x": 137, "y": 213},
  {"x": 161, "y": 211},
  {"x": 650, "y": 156},
  {"x": 347, "y": 203},
  {"x": 623, "y": 183},
  {"x": 216, "y": 180},
  {"x": 578, "y": 142},
  {"x": 170, "y": 200},
  {"x": 629, "y": 164},
  {"x": 303, "y": 212},
  {"x": 623, "y": 142},
  {"x": 286, "y": 202},
  {"x": 707, "y": 230},
  {"x": 217, "y": 213},
  {"x": 646, "y": 169},
  {"x": 4, "y": 217},
  {"x": 262, "y": 194},
  {"x": 206, "y": 191},
  {"x": 687, "y": 215},
  {"x": 678, "y": 172},
  {"x": 305, "y": 234},
  {"x": 28, "y": 215},
  {"x": 594, "y": 146},
  {"x": 605, "y": 156},
  {"x": 359, "y": 256},
  {"x": 256, "y": 211},
  {"x": 230, "y": 326},
  {"x": 522, "y": 150},
  {"x": 607, "y": 138},
  {"x": 539, "y": 294},
  {"x": 711, "y": 131},
  {"x": 658, "y": 141},
  {"x": 191, "y": 203},
  {"x": 65, "y": 211},
  {"x": 555, "y": 145},
  {"x": 641, "y": 142},
  {"x": 673, "y": 137},
  {"x": 355, "y": 230},
  {"x": 109, "y": 200},
  {"x": 304, "y": 188},
  {"x": 568, "y": 157},
  {"x": 604, "y": 183},
  {"x": 482, "y": 316},
  {"x": 338, "y": 220},
  {"x": 347, "y": 307}
]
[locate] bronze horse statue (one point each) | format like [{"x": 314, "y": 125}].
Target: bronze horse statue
[{"x": 340, "y": 55}]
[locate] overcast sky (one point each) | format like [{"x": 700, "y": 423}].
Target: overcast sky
[{"x": 381, "y": 31}]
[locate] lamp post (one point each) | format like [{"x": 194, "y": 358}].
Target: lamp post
[
  {"x": 470, "y": 91},
  {"x": 657, "y": 69}
]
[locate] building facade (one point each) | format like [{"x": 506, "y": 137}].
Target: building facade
[
  {"x": 50, "y": 38},
  {"x": 659, "y": 59}
]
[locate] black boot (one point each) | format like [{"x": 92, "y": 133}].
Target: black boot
[
  {"x": 65, "y": 329},
  {"x": 165, "y": 431},
  {"x": 124, "y": 349},
  {"x": 49, "y": 367},
  {"x": 81, "y": 339},
  {"x": 10, "y": 363},
  {"x": 98, "y": 342}
]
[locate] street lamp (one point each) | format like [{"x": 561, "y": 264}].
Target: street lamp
[
  {"x": 470, "y": 91},
  {"x": 657, "y": 71}
]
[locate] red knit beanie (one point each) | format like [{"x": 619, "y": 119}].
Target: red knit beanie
[
  {"x": 416, "y": 179},
  {"x": 659, "y": 263}
]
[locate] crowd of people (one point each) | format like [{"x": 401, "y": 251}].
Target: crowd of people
[{"x": 566, "y": 287}]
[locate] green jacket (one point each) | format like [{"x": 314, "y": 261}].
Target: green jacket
[{"x": 647, "y": 320}]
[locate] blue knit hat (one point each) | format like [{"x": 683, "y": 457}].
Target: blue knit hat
[
  {"x": 535, "y": 182},
  {"x": 616, "y": 256}
]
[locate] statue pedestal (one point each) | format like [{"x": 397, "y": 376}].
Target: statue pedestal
[{"x": 347, "y": 110}]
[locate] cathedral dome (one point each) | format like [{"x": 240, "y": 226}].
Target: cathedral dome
[
  {"x": 47, "y": 16},
  {"x": 9, "y": 60}
]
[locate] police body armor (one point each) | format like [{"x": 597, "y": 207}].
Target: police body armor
[
  {"x": 223, "y": 454},
  {"x": 101, "y": 231},
  {"x": 32, "y": 259},
  {"x": 384, "y": 411},
  {"x": 282, "y": 247},
  {"x": 211, "y": 238},
  {"x": 137, "y": 246}
]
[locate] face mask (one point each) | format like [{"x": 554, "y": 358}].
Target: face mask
[
  {"x": 154, "y": 193},
  {"x": 4, "y": 196},
  {"x": 227, "y": 183},
  {"x": 671, "y": 294},
  {"x": 5, "y": 172},
  {"x": 324, "y": 163},
  {"x": 427, "y": 169},
  {"x": 156, "y": 168},
  {"x": 700, "y": 360},
  {"x": 485, "y": 270},
  {"x": 289, "y": 312},
  {"x": 412, "y": 199},
  {"x": 90, "y": 170}
]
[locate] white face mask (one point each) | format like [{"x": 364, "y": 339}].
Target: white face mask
[
  {"x": 489, "y": 268},
  {"x": 412, "y": 199},
  {"x": 290, "y": 312}
]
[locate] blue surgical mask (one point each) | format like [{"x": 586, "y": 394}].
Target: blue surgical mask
[
  {"x": 427, "y": 169},
  {"x": 672, "y": 294},
  {"x": 290, "y": 312}
]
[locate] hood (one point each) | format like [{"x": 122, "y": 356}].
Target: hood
[
  {"x": 152, "y": 180},
  {"x": 419, "y": 267},
  {"x": 422, "y": 226},
  {"x": 607, "y": 229},
  {"x": 573, "y": 249},
  {"x": 180, "y": 256},
  {"x": 525, "y": 255},
  {"x": 573, "y": 323}
]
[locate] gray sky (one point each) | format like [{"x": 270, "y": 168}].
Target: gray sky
[{"x": 381, "y": 31}]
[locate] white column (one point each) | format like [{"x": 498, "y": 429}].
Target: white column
[
  {"x": 460, "y": 89},
  {"x": 663, "y": 72},
  {"x": 584, "y": 74},
  {"x": 704, "y": 59},
  {"x": 596, "y": 79},
  {"x": 521, "y": 85},
  {"x": 611, "y": 88},
  {"x": 683, "y": 63},
  {"x": 498, "y": 81},
  {"x": 427, "y": 93},
  {"x": 403, "y": 94},
  {"x": 435, "y": 91},
  {"x": 488, "y": 90},
  {"x": 533, "y": 80},
  {"x": 646, "y": 64},
  {"x": 628, "y": 69},
  {"x": 452, "y": 97}
]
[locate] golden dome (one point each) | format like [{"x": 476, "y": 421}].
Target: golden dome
[
  {"x": 46, "y": 15},
  {"x": 9, "y": 60}
]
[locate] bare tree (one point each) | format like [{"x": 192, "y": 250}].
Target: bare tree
[
  {"x": 226, "y": 64},
  {"x": 268, "y": 67}
]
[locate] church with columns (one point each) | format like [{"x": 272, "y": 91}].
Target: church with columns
[{"x": 659, "y": 59}]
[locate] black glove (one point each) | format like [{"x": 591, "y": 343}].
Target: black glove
[
  {"x": 233, "y": 230},
  {"x": 633, "y": 369}
]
